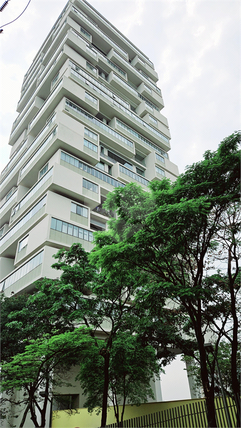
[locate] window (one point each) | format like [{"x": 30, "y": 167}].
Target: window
[
  {"x": 133, "y": 175},
  {"x": 22, "y": 244},
  {"x": 91, "y": 134},
  {"x": 92, "y": 171},
  {"x": 147, "y": 89},
  {"x": 24, "y": 219},
  {"x": 97, "y": 225},
  {"x": 2, "y": 231},
  {"x": 160, "y": 158},
  {"x": 139, "y": 158},
  {"x": 70, "y": 229},
  {"x": 140, "y": 171},
  {"x": 65, "y": 402},
  {"x": 79, "y": 209},
  {"x": 55, "y": 79},
  {"x": 43, "y": 170},
  {"x": 153, "y": 120},
  {"x": 116, "y": 67},
  {"x": 85, "y": 33},
  {"x": 22, "y": 271},
  {"x": 70, "y": 105},
  {"x": 91, "y": 98},
  {"x": 9, "y": 194},
  {"x": 160, "y": 171},
  {"x": 91, "y": 67},
  {"x": 100, "y": 165},
  {"x": 90, "y": 186},
  {"x": 119, "y": 159},
  {"x": 90, "y": 145}
]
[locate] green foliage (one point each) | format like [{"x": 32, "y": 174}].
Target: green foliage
[
  {"x": 43, "y": 359},
  {"x": 174, "y": 238},
  {"x": 224, "y": 363}
]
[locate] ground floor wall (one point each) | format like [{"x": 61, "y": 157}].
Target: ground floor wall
[{"x": 83, "y": 419}]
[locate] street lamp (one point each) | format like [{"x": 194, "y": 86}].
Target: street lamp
[{"x": 210, "y": 350}]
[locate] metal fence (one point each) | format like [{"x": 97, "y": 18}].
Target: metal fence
[{"x": 189, "y": 415}]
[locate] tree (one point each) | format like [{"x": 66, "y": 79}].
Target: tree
[
  {"x": 174, "y": 240},
  {"x": 40, "y": 368},
  {"x": 225, "y": 366},
  {"x": 26, "y": 319},
  {"x": 110, "y": 312},
  {"x": 131, "y": 366}
]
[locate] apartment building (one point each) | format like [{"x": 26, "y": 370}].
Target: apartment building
[{"x": 89, "y": 120}]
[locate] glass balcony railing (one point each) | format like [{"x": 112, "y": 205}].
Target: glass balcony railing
[
  {"x": 140, "y": 137},
  {"x": 72, "y": 106},
  {"x": 98, "y": 30},
  {"x": 43, "y": 145},
  {"x": 22, "y": 271},
  {"x": 126, "y": 41},
  {"x": 16, "y": 124},
  {"x": 70, "y": 229},
  {"x": 133, "y": 175},
  {"x": 94, "y": 84},
  {"x": 34, "y": 143},
  {"x": 32, "y": 191},
  {"x": 94, "y": 172},
  {"x": 46, "y": 102},
  {"x": 7, "y": 201},
  {"x": 148, "y": 102},
  {"x": 113, "y": 44},
  {"x": 13, "y": 159},
  {"x": 23, "y": 220}
]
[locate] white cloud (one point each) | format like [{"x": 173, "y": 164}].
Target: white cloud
[{"x": 192, "y": 43}]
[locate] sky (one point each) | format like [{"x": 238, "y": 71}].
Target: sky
[{"x": 195, "y": 47}]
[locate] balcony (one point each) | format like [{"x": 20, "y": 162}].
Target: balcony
[
  {"x": 147, "y": 90},
  {"x": 96, "y": 31},
  {"x": 107, "y": 134},
  {"x": 66, "y": 234},
  {"x": 139, "y": 64},
  {"x": 33, "y": 194},
  {"x": 104, "y": 180},
  {"x": 25, "y": 274},
  {"x": 23, "y": 119},
  {"x": 161, "y": 140},
  {"x": 122, "y": 173},
  {"x": 8, "y": 242},
  {"x": 6, "y": 207}
]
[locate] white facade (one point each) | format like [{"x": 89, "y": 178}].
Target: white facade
[{"x": 89, "y": 121}]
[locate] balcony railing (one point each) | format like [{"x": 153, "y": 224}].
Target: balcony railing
[
  {"x": 70, "y": 105},
  {"x": 94, "y": 84},
  {"x": 98, "y": 30},
  {"x": 140, "y": 137},
  {"x": 23, "y": 220},
  {"x": 133, "y": 175},
  {"x": 90, "y": 170},
  {"x": 7, "y": 202},
  {"x": 32, "y": 191},
  {"x": 22, "y": 271},
  {"x": 43, "y": 145}
]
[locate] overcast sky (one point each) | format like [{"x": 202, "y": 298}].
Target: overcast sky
[{"x": 195, "y": 47}]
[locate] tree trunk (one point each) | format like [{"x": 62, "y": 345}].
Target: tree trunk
[
  {"x": 105, "y": 353},
  {"x": 208, "y": 390},
  {"x": 44, "y": 408},
  {"x": 234, "y": 376},
  {"x": 24, "y": 416}
]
